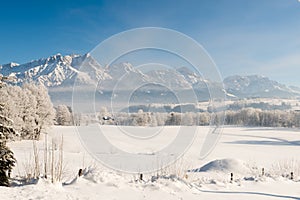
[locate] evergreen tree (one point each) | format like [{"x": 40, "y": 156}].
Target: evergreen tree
[
  {"x": 7, "y": 159},
  {"x": 7, "y": 162}
]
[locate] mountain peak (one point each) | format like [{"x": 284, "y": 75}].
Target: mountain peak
[
  {"x": 10, "y": 65},
  {"x": 56, "y": 58}
]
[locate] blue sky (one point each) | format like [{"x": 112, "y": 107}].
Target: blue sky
[{"x": 243, "y": 37}]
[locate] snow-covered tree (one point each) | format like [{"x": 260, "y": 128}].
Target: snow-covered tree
[
  {"x": 141, "y": 119},
  {"x": 77, "y": 119},
  {"x": 7, "y": 162},
  {"x": 187, "y": 119},
  {"x": 7, "y": 159},
  {"x": 174, "y": 119},
  {"x": 29, "y": 107},
  {"x": 44, "y": 111},
  {"x": 153, "y": 120},
  {"x": 161, "y": 118},
  {"x": 63, "y": 115}
]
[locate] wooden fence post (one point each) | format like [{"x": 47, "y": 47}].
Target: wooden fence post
[
  {"x": 80, "y": 173},
  {"x": 141, "y": 177}
]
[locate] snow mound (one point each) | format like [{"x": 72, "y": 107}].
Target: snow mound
[{"x": 223, "y": 165}]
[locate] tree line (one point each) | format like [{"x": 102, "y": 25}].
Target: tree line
[{"x": 242, "y": 117}]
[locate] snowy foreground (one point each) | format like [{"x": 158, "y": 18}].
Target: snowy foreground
[{"x": 241, "y": 151}]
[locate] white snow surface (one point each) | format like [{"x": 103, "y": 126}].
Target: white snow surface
[
  {"x": 224, "y": 165},
  {"x": 242, "y": 151}
]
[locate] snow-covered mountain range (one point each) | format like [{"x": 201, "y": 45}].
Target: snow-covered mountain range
[
  {"x": 258, "y": 86},
  {"x": 55, "y": 70},
  {"x": 61, "y": 71}
]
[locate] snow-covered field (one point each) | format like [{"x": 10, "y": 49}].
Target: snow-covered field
[{"x": 242, "y": 151}]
